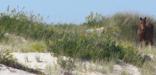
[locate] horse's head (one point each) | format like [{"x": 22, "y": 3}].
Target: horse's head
[{"x": 142, "y": 23}]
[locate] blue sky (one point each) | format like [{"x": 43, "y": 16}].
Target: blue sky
[{"x": 75, "y": 11}]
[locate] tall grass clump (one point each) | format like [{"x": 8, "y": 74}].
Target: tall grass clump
[
  {"x": 93, "y": 47},
  {"x": 24, "y": 25}
]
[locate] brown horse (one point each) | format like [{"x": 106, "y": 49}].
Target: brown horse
[{"x": 145, "y": 31}]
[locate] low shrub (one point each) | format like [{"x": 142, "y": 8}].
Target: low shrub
[
  {"x": 34, "y": 46},
  {"x": 94, "y": 47}
]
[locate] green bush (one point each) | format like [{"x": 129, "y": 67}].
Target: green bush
[
  {"x": 38, "y": 47},
  {"x": 35, "y": 46},
  {"x": 130, "y": 54},
  {"x": 89, "y": 47}
]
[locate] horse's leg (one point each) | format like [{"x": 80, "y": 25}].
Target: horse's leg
[
  {"x": 141, "y": 40},
  {"x": 141, "y": 44},
  {"x": 151, "y": 41},
  {"x": 149, "y": 44},
  {"x": 146, "y": 42}
]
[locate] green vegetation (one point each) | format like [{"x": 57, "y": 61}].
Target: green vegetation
[
  {"x": 73, "y": 41},
  {"x": 36, "y": 47},
  {"x": 5, "y": 57}
]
